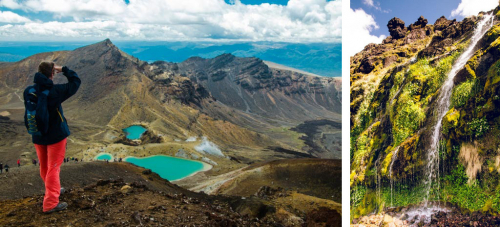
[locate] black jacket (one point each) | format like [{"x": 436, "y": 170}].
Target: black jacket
[{"x": 58, "y": 126}]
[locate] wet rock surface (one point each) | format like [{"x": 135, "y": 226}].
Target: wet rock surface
[{"x": 453, "y": 218}]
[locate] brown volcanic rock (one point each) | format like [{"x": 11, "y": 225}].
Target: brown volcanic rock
[
  {"x": 442, "y": 23},
  {"x": 397, "y": 28},
  {"x": 416, "y": 34},
  {"x": 451, "y": 31},
  {"x": 145, "y": 202},
  {"x": 250, "y": 85},
  {"x": 422, "y": 22},
  {"x": 389, "y": 60},
  {"x": 367, "y": 65},
  {"x": 323, "y": 217}
]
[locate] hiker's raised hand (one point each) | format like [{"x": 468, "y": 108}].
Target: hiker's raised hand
[{"x": 58, "y": 68}]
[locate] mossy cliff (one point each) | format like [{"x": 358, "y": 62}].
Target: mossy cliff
[{"x": 394, "y": 88}]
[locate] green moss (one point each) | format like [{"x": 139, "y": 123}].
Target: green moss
[
  {"x": 478, "y": 127},
  {"x": 463, "y": 92},
  {"x": 493, "y": 33},
  {"x": 387, "y": 161},
  {"x": 472, "y": 64},
  {"x": 410, "y": 115},
  {"x": 471, "y": 72},
  {"x": 456, "y": 190},
  {"x": 493, "y": 75},
  {"x": 450, "y": 120},
  {"x": 408, "y": 112}
]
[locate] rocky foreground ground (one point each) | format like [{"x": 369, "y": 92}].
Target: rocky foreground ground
[
  {"x": 450, "y": 219},
  {"x": 130, "y": 196}
]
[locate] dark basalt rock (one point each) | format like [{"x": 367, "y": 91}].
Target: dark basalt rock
[
  {"x": 451, "y": 31},
  {"x": 437, "y": 47},
  {"x": 441, "y": 23},
  {"x": 416, "y": 34},
  {"x": 367, "y": 65},
  {"x": 219, "y": 75},
  {"x": 389, "y": 60},
  {"x": 420, "y": 23},
  {"x": 323, "y": 217},
  {"x": 397, "y": 28}
]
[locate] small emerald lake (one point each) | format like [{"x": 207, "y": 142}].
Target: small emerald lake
[
  {"x": 134, "y": 132},
  {"x": 104, "y": 156},
  {"x": 170, "y": 168}
]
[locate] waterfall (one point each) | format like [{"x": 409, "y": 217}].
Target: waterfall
[
  {"x": 393, "y": 158},
  {"x": 377, "y": 178},
  {"x": 443, "y": 104}
]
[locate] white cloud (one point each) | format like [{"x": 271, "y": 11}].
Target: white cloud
[
  {"x": 360, "y": 25},
  {"x": 11, "y": 4},
  {"x": 473, "y": 7},
  {"x": 368, "y": 3},
  {"x": 10, "y": 17},
  {"x": 375, "y": 5},
  {"x": 298, "y": 21}
]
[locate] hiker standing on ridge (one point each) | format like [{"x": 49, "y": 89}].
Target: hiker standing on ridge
[
  {"x": 1, "y": 167},
  {"x": 50, "y": 142},
  {"x": 6, "y": 168},
  {"x": 18, "y": 162}
]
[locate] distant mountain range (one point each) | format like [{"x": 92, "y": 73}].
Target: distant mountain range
[
  {"x": 253, "y": 111},
  {"x": 318, "y": 58}
]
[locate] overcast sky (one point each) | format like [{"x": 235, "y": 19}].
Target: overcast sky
[
  {"x": 367, "y": 19},
  {"x": 301, "y": 21}
]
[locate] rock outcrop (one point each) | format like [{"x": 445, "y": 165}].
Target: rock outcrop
[{"x": 397, "y": 28}]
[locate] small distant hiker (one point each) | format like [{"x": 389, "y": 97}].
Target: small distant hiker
[
  {"x": 18, "y": 162},
  {"x": 45, "y": 121},
  {"x": 76, "y": 159},
  {"x": 120, "y": 160},
  {"x": 107, "y": 161},
  {"x": 6, "y": 168},
  {"x": 1, "y": 167}
]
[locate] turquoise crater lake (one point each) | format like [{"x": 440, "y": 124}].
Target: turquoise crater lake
[
  {"x": 134, "y": 132},
  {"x": 170, "y": 168},
  {"x": 104, "y": 156}
]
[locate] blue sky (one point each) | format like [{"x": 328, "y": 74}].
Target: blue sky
[
  {"x": 367, "y": 19},
  {"x": 297, "y": 21},
  {"x": 407, "y": 10}
]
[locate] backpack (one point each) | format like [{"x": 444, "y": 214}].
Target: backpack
[{"x": 37, "y": 112}]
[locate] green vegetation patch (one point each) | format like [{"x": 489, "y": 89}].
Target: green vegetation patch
[
  {"x": 463, "y": 92},
  {"x": 478, "y": 127},
  {"x": 450, "y": 120},
  {"x": 408, "y": 111},
  {"x": 493, "y": 75},
  {"x": 473, "y": 197}
]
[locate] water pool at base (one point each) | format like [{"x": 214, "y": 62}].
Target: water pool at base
[
  {"x": 170, "y": 168},
  {"x": 134, "y": 132},
  {"x": 104, "y": 156}
]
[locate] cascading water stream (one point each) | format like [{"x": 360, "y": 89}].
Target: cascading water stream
[
  {"x": 377, "y": 166},
  {"x": 443, "y": 104},
  {"x": 393, "y": 158}
]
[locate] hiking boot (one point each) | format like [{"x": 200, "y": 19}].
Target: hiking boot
[
  {"x": 59, "y": 207},
  {"x": 63, "y": 190}
]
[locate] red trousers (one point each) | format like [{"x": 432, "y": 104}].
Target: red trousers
[{"x": 51, "y": 157}]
